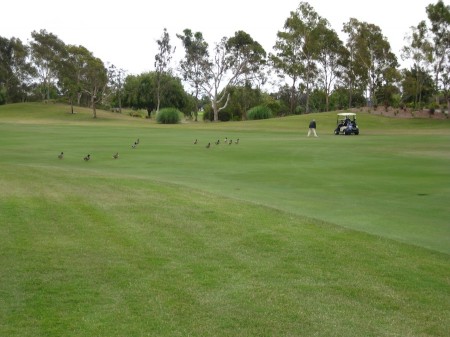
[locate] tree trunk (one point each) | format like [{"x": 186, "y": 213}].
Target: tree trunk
[
  {"x": 94, "y": 111},
  {"x": 293, "y": 99},
  {"x": 448, "y": 106},
  {"x": 215, "y": 110},
  {"x": 158, "y": 95}
]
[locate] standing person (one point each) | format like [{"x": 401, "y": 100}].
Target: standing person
[{"x": 312, "y": 128}]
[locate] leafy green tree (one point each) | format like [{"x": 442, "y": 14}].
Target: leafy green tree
[
  {"x": 94, "y": 80},
  {"x": 445, "y": 80},
  {"x": 147, "y": 93},
  {"x": 297, "y": 49},
  {"x": 235, "y": 61},
  {"x": 47, "y": 50},
  {"x": 419, "y": 50},
  {"x": 130, "y": 90},
  {"x": 116, "y": 78},
  {"x": 372, "y": 54},
  {"x": 16, "y": 72},
  {"x": 340, "y": 98},
  {"x": 194, "y": 62},
  {"x": 439, "y": 16},
  {"x": 412, "y": 89},
  {"x": 70, "y": 71},
  {"x": 141, "y": 93},
  {"x": 354, "y": 76},
  {"x": 242, "y": 98},
  {"x": 331, "y": 59}
]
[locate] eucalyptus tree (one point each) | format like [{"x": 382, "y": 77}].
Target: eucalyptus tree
[
  {"x": 16, "y": 71},
  {"x": 162, "y": 63},
  {"x": 446, "y": 83},
  {"x": 418, "y": 49},
  {"x": 47, "y": 50},
  {"x": 355, "y": 76},
  {"x": 372, "y": 54},
  {"x": 233, "y": 61},
  {"x": 194, "y": 62},
  {"x": 331, "y": 58},
  {"x": 413, "y": 91},
  {"x": 236, "y": 60},
  {"x": 116, "y": 79},
  {"x": 439, "y": 16},
  {"x": 71, "y": 71},
  {"x": 297, "y": 48},
  {"x": 94, "y": 80}
]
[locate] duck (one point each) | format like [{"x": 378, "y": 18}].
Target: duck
[
  {"x": 116, "y": 155},
  {"x": 208, "y": 146},
  {"x": 195, "y": 141},
  {"x": 61, "y": 155},
  {"x": 218, "y": 142},
  {"x": 88, "y": 157},
  {"x": 237, "y": 141}
]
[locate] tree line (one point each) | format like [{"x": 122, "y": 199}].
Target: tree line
[{"x": 310, "y": 69}]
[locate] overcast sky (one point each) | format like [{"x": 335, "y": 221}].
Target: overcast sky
[{"x": 124, "y": 33}]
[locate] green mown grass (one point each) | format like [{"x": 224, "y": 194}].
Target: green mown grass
[{"x": 281, "y": 235}]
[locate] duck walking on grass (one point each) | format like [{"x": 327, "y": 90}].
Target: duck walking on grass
[
  {"x": 116, "y": 155},
  {"x": 61, "y": 155},
  {"x": 88, "y": 157}
]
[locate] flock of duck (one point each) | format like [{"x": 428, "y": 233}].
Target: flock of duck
[
  {"x": 136, "y": 143},
  {"x": 114, "y": 156},
  {"x": 217, "y": 142}
]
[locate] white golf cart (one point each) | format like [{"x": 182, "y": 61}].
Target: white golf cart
[{"x": 346, "y": 124}]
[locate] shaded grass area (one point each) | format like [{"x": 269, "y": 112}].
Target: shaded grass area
[{"x": 93, "y": 255}]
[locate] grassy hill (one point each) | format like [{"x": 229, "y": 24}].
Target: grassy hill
[{"x": 279, "y": 235}]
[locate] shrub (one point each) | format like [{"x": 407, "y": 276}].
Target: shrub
[
  {"x": 259, "y": 112},
  {"x": 433, "y": 107},
  {"x": 168, "y": 116}
]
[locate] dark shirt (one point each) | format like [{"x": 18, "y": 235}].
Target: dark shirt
[{"x": 312, "y": 125}]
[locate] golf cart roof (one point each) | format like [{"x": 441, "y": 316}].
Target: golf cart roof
[{"x": 346, "y": 114}]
